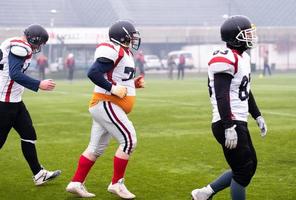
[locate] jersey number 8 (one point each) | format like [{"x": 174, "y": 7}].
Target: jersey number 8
[{"x": 243, "y": 92}]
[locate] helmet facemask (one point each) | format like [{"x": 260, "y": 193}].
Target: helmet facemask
[
  {"x": 136, "y": 40},
  {"x": 248, "y": 36}
]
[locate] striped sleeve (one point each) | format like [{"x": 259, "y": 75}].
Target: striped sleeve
[{"x": 223, "y": 64}]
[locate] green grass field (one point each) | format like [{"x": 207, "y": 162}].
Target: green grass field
[{"x": 176, "y": 151}]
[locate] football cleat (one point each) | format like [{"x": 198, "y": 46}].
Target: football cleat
[
  {"x": 79, "y": 189},
  {"x": 43, "y": 176},
  {"x": 120, "y": 189},
  {"x": 201, "y": 194}
]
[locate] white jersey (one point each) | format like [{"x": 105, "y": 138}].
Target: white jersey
[
  {"x": 230, "y": 62},
  {"x": 11, "y": 91},
  {"x": 124, "y": 67},
  {"x": 123, "y": 73}
]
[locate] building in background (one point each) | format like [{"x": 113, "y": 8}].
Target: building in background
[{"x": 78, "y": 27}]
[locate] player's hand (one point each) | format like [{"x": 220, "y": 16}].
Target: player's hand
[
  {"x": 230, "y": 137},
  {"x": 262, "y": 125},
  {"x": 47, "y": 85},
  {"x": 119, "y": 90},
  {"x": 140, "y": 82}
]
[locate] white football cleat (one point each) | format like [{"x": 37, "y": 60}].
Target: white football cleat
[
  {"x": 79, "y": 189},
  {"x": 43, "y": 176},
  {"x": 201, "y": 194},
  {"x": 120, "y": 189}
]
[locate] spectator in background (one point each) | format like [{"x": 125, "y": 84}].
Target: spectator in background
[
  {"x": 171, "y": 64},
  {"x": 42, "y": 63},
  {"x": 140, "y": 61},
  {"x": 181, "y": 66},
  {"x": 70, "y": 65},
  {"x": 266, "y": 66}
]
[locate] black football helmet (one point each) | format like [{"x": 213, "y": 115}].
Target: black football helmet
[
  {"x": 125, "y": 34},
  {"x": 238, "y": 32},
  {"x": 36, "y": 36}
]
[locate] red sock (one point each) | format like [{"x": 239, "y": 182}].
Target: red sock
[
  {"x": 119, "y": 166},
  {"x": 84, "y": 165}
]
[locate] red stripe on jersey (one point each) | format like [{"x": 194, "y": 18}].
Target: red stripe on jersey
[
  {"x": 120, "y": 56},
  {"x": 29, "y": 56},
  {"x": 236, "y": 62},
  {"x": 236, "y": 51},
  {"x": 220, "y": 59},
  {"x": 106, "y": 45},
  {"x": 8, "y": 92},
  {"x": 127, "y": 51},
  {"x": 21, "y": 41}
]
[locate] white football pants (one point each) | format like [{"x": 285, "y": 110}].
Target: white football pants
[{"x": 110, "y": 120}]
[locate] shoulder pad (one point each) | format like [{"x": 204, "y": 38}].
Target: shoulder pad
[
  {"x": 19, "y": 51},
  {"x": 107, "y": 50},
  {"x": 222, "y": 55},
  {"x": 223, "y": 61},
  {"x": 21, "y": 43}
]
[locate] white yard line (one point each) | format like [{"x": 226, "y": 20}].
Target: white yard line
[{"x": 281, "y": 114}]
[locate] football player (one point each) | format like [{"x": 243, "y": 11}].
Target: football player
[
  {"x": 15, "y": 57},
  {"x": 232, "y": 101},
  {"x": 113, "y": 98}
]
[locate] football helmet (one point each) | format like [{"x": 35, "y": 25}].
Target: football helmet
[
  {"x": 125, "y": 34},
  {"x": 36, "y": 36},
  {"x": 238, "y": 32}
]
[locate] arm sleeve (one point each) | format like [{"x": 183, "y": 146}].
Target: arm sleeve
[
  {"x": 97, "y": 71},
  {"x": 16, "y": 74},
  {"x": 222, "y": 83},
  {"x": 253, "y": 108}
]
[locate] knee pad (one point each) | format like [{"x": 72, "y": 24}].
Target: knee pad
[
  {"x": 244, "y": 175},
  {"x": 97, "y": 150}
]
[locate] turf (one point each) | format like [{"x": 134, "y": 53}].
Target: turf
[{"x": 176, "y": 151}]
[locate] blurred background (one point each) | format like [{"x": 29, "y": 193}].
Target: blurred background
[
  {"x": 177, "y": 152},
  {"x": 168, "y": 29}
]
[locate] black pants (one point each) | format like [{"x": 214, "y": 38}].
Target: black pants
[
  {"x": 242, "y": 159},
  {"x": 16, "y": 115},
  {"x": 42, "y": 73},
  {"x": 181, "y": 69},
  {"x": 266, "y": 67},
  {"x": 71, "y": 74}
]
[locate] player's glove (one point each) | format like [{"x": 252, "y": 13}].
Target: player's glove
[
  {"x": 262, "y": 125},
  {"x": 119, "y": 90},
  {"x": 230, "y": 137},
  {"x": 139, "y": 82}
]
